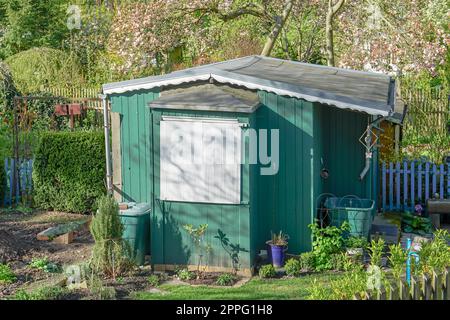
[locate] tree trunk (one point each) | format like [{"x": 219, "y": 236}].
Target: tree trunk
[
  {"x": 279, "y": 23},
  {"x": 332, "y": 10}
]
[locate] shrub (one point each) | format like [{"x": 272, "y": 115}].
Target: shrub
[
  {"x": 226, "y": 279},
  {"x": 376, "y": 252},
  {"x": 343, "y": 288},
  {"x": 435, "y": 255},
  {"x": 45, "y": 293},
  {"x": 111, "y": 254},
  {"x": 293, "y": 267},
  {"x": 326, "y": 242},
  {"x": 397, "y": 259},
  {"x": 44, "y": 265},
  {"x": 69, "y": 171},
  {"x": 267, "y": 271},
  {"x": 307, "y": 261},
  {"x": 2, "y": 180},
  {"x": 6, "y": 274},
  {"x": 185, "y": 275},
  {"x": 356, "y": 242},
  {"x": 153, "y": 280}
]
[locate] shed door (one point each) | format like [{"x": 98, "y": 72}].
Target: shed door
[{"x": 200, "y": 160}]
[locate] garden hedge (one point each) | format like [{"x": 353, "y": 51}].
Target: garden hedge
[{"x": 69, "y": 171}]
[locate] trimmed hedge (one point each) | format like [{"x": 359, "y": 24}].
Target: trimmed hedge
[{"x": 69, "y": 171}]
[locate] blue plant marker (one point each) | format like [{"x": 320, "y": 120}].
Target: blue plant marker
[{"x": 408, "y": 261}]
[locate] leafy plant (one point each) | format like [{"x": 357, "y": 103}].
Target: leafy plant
[
  {"x": 154, "y": 280},
  {"x": 185, "y": 275},
  {"x": 356, "y": 242},
  {"x": 293, "y": 267},
  {"x": 111, "y": 254},
  {"x": 44, "y": 293},
  {"x": 69, "y": 171},
  {"x": 99, "y": 290},
  {"x": 226, "y": 279},
  {"x": 376, "y": 248},
  {"x": 340, "y": 289},
  {"x": 416, "y": 224},
  {"x": 307, "y": 261},
  {"x": 279, "y": 239},
  {"x": 6, "y": 274},
  {"x": 397, "y": 259},
  {"x": 267, "y": 271},
  {"x": 198, "y": 237},
  {"x": 326, "y": 242},
  {"x": 435, "y": 254},
  {"x": 44, "y": 264}
]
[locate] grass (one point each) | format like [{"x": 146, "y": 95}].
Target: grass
[{"x": 255, "y": 289}]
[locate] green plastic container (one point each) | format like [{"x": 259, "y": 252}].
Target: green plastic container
[
  {"x": 136, "y": 222},
  {"x": 357, "y": 212}
]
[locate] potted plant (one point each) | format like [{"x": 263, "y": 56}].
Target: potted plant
[{"x": 277, "y": 248}]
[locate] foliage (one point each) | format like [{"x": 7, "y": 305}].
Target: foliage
[
  {"x": 293, "y": 267},
  {"x": 279, "y": 239},
  {"x": 341, "y": 289},
  {"x": 7, "y": 89},
  {"x": 44, "y": 293},
  {"x": 397, "y": 260},
  {"x": 185, "y": 275},
  {"x": 44, "y": 264},
  {"x": 356, "y": 242},
  {"x": 307, "y": 260},
  {"x": 111, "y": 254},
  {"x": 69, "y": 171},
  {"x": 376, "y": 249},
  {"x": 6, "y": 274},
  {"x": 32, "y": 23},
  {"x": 267, "y": 271},
  {"x": 435, "y": 255},
  {"x": 226, "y": 279},
  {"x": 198, "y": 237},
  {"x": 153, "y": 280},
  {"x": 39, "y": 68},
  {"x": 416, "y": 224},
  {"x": 326, "y": 242}
]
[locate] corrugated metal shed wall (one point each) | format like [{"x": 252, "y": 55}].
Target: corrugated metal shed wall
[{"x": 171, "y": 244}]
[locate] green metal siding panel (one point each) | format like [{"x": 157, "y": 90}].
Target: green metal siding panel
[
  {"x": 170, "y": 242},
  {"x": 343, "y": 154},
  {"x": 285, "y": 199},
  {"x": 135, "y": 143}
]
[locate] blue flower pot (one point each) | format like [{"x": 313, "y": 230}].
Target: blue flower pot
[{"x": 277, "y": 255}]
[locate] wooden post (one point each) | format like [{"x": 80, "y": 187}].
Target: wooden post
[{"x": 116, "y": 156}]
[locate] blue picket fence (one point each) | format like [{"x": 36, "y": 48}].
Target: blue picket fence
[
  {"x": 23, "y": 188},
  {"x": 405, "y": 183}
]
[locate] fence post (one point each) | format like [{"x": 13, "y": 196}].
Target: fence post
[
  {"x": 441, "y": 181},
  {"x": 397, "y": 182},
  {"x": 427, "y": 180},
  {"x": 419, "y": 183},
  {"x": 434, "y": 180},
  {"x": 412, "y": 184},
  {"x": 405, "y": 186}
]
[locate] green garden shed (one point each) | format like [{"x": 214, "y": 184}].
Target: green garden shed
[{"x": 246, "y": 146}]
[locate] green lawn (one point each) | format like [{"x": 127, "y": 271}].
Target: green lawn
[{"x": 255, "y": 289}]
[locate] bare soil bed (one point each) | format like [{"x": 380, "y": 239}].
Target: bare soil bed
[{"x": 18, "y": 245}]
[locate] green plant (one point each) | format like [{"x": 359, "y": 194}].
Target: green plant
[
  {"x": 111, "y": 255},
  {"x": 185, "y": 275},
  {"x": 307, "y": 261},
  {"x": 435, "y": 254},
  {"x": 279, "y": 239},
  {"x": 356, "y": 242},
  {"x": 293, "y": 267},
  {"x": 397, "y": 260},
  {"x": 225, "y": 279},
  {"x": 69, "y": 171},
  {"x": 99, "y": 291},
  {"x": 153, "y": 280},
  {"x": 6, "y": 274},
  {"x": 198, "y": 237},
  {"x": 341, "y": 289},
  {"x": 416, "y": 224},
  {"x": 326, "y": 242},
  {"x": 267, "y": 271},
  {"x": 44, "y": 264},
  {"x": 376, "y": 248},
  {"x": 44, "y": 293}
]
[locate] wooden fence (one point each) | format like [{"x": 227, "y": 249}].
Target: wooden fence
[
  {"x": 404, "y": 183},
  {"x": 87, "y": 96},
  {"x": 428, "y": 111},
  {"x": 423, "y": 287},
  {"x": 22, "y": 190}
]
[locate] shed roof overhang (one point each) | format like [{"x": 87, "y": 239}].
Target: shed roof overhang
[
  {"x": 208, "y": 97},
  {"x": 366, "y": 92}
]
